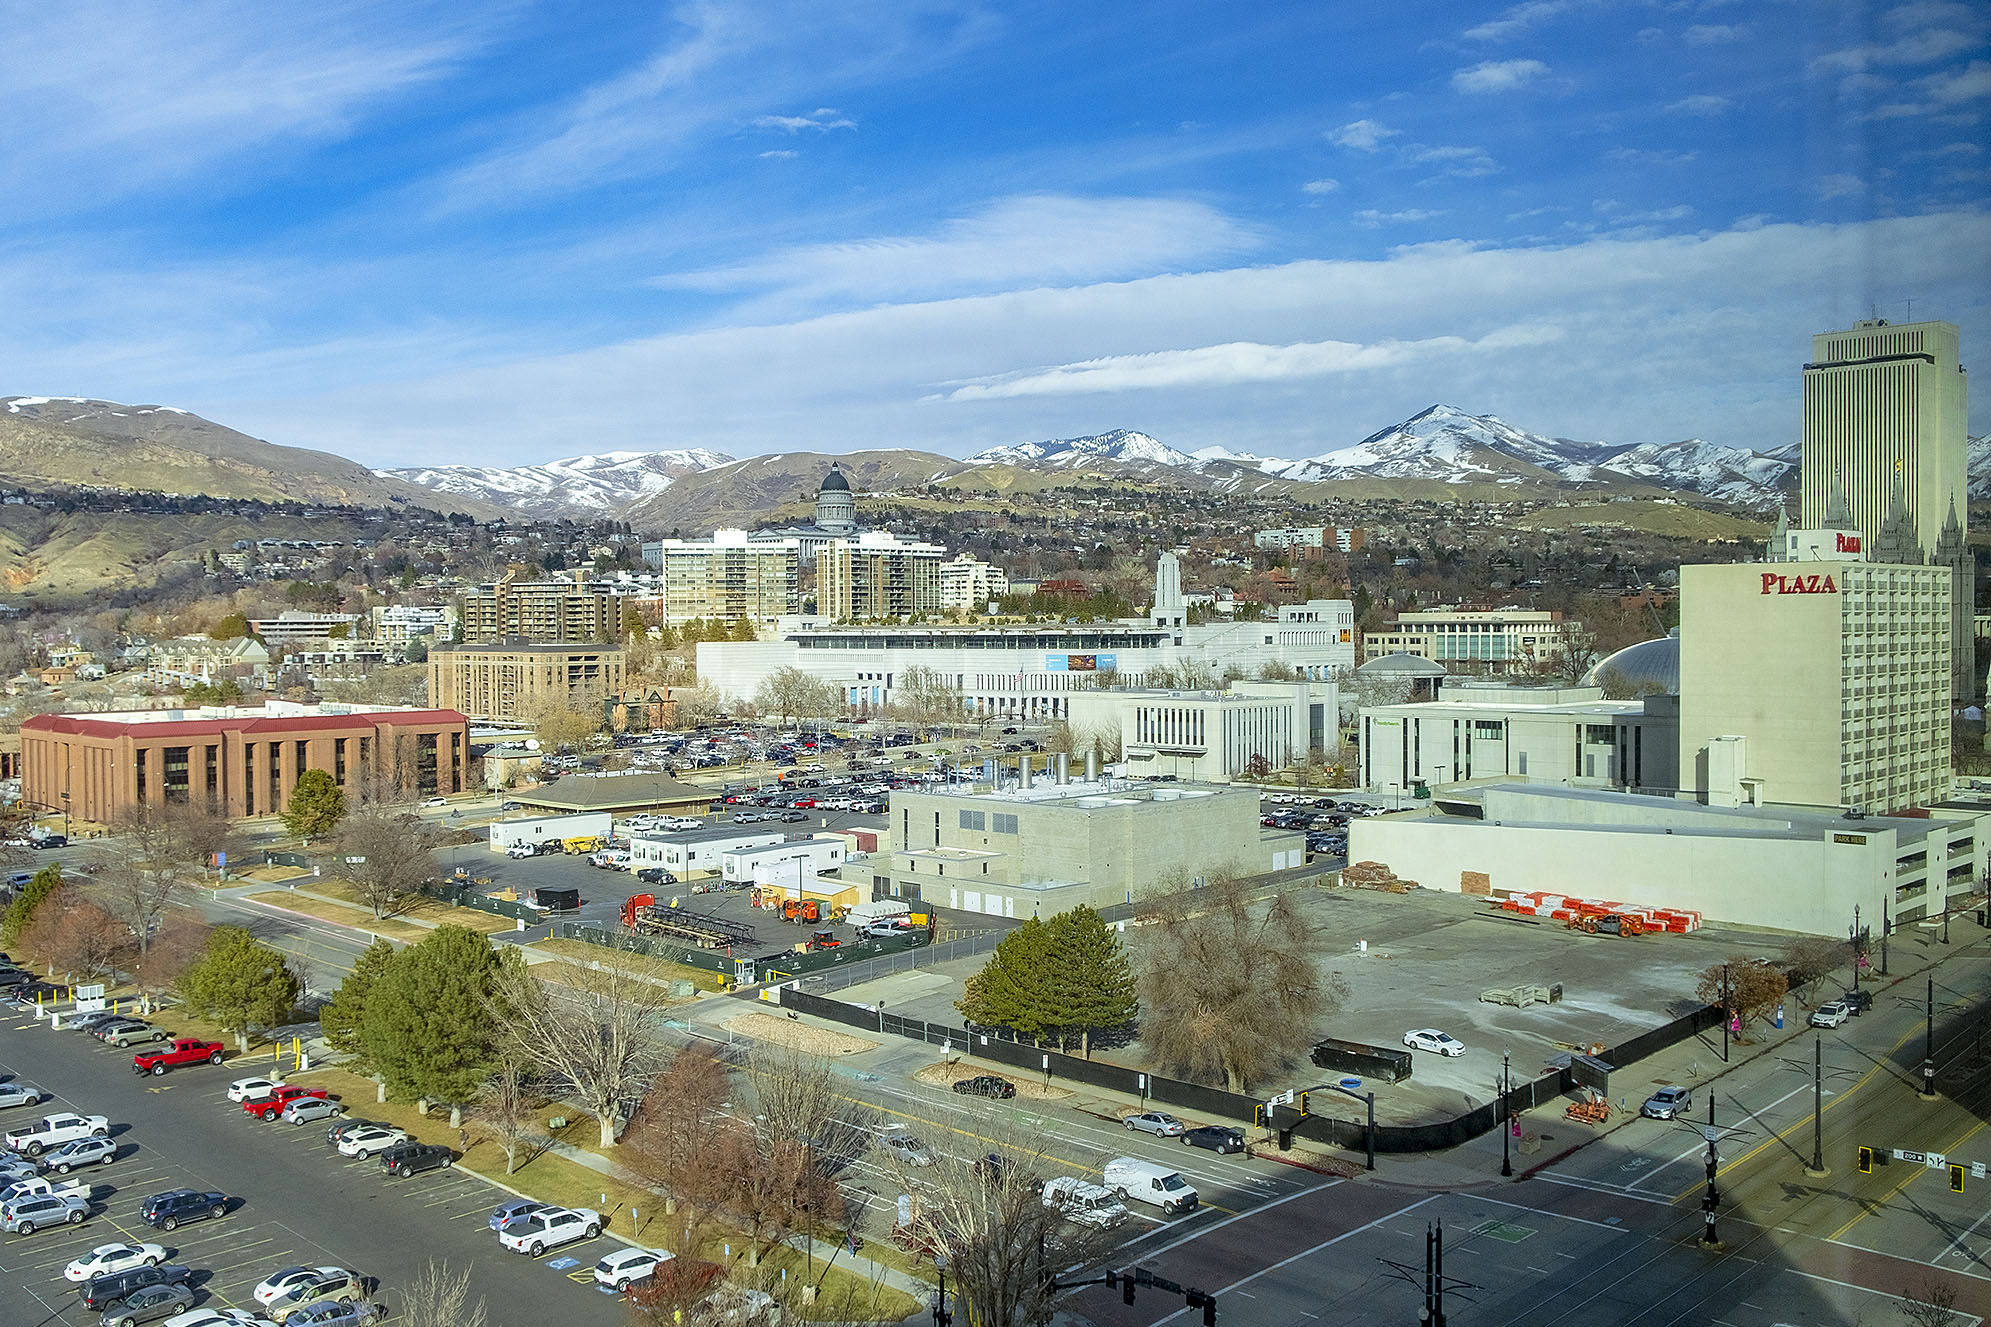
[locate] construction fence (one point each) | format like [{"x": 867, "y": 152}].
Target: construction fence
[{"x": 746, "y": 970}]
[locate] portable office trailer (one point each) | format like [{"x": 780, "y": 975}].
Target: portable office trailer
[{"x": 549, "y": 829}]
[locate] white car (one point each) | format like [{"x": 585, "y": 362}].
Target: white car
[
  {"x": 280, "y": 1283},
  {"x": 215, "y": 1318},
  {"x": 305, "y": 1110},
  {"x": 108, "y": 1258},
  {"x": 537, "y": 1232},
  {"x": 1431, "y": 1039},
  {"x": 21, "y": 1094},
  {"x": 905, "y": 1148},
  {"x": 1831, "y": 1014},
  {"x": 244, "y": 1088},
  {"x": 363, "y": 1143},
  {"x": 625, "y": 1267},
  {"x": 520, "y": 851}
]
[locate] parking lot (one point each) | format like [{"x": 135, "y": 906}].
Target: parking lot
[{"x": 293, "y": 1200}]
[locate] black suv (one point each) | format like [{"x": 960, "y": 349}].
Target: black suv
[
  {"x": 986, "y": 1085},
  {"x": 1858, "y": 1001},
  {"x": 413, "y": 1158},
  {"x": 100, "y": 1292},
  {"x": 176, "y": 1207}
]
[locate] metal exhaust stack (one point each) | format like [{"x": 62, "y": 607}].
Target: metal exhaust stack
[
  {"x": 1024, "y": 770},
  {"x": 1092, "y": 766},
  {"x": 1064, "y": 768}
]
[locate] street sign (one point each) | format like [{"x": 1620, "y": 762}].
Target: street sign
[
  {"x": 1903, "y": 1154},
  {"x": 354, "y": 861},
  {"x": 1283, "y": 1099}
]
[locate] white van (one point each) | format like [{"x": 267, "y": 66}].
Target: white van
[
  {"x": 1084, "y": 1203},
  {"x": 1151, "y": 1183}
]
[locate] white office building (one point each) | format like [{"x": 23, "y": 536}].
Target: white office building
[
  {"x": 969, "y": 585},
  {"x": 1209, "y": 736},
  {"x": 1498, "y": 640}
]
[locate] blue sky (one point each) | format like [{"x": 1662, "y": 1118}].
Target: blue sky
[{"x": 490, "y": 234}]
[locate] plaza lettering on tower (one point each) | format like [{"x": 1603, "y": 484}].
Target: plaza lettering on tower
[{"x": 1812, "y": 584}]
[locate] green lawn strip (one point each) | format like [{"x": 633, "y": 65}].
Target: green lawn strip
[{"x": 358, "y": 919}]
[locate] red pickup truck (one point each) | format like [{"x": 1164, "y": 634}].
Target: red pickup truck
[
  {"x": 181, "y": 1050},
  {"x": 271, "y": 1106}
]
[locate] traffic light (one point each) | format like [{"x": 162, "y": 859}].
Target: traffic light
[
  {"x": 1866, "y": 1161},
  {"x": 1258, "y": 1116},
  {"x": 1127, "y": 1290},
  {"x": 1197, "y": 1299},
  {"x": 1303, "y": 1103},
  {"x": 1956, "y": 1179}
]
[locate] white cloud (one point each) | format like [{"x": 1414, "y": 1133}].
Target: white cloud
[
  {"x": 1318, "y": 187},
  {"x": 1967, "y": 84},
  {"x": 1701, "y": 103},
  {"x": 1715, "y": 34},
  {"x": 779, "y": 154},
  {"x": 1465, "y": 163},
  {"x": 1827, "y": 187},
  {"x": 1922, "y": 47},
  {"x": 1644, "y": 156},
  {"x": 1370, "y": 218},
  {"x": 1498, "y": 76},
  {"x": 1519, "y": 19},
  {"x": 822, "y": 121},
  {"x": 1031, "y": 240},
  {"x": 101, "y": 100},
  {"x": 1361, "y": 135},
  {"x": 1240, "y": 362}
]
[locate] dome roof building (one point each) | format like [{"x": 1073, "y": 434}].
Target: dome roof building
[
  {"x": 836, "y": 508},
  {"x": 1651, "y": 667}
]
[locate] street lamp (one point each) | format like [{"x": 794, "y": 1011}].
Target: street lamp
[
  {"x": 1506, "y": 1087},
  {"x": 941, "y": 1317}
]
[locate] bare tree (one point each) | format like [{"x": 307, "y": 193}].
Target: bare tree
[
  {"x": 675, "y": 1117},
  {"x": 799, "y": 1100},
  {"x": 438, "y": 1297},
  {"x": 506, "y": 1111},
  {"x": 596, "y": 1032},
  {"x": 697, "y": 705},
  {"x": 1812, "y": 958},
  {"x": 386, "y": 855},
  {"x": 987, "y": 1217},
  {"x": 178, "y": 944},
  {"x": 138, "y": 867},
  {"x": 1744, "y": 988},
  {"x": 922, "y": 697},
  {"x": 1933, "y": 1306},
  {"x": 1232, "y": 988},
  {"x": 72, "y": 933}
]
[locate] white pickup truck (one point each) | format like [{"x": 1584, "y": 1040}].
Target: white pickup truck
[
  {"x": 55, "y": 1130},
  {"x": 40, "y": 1184}
]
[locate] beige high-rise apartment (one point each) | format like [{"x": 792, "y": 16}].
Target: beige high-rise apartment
[
  {"x": 1884, "y": 451},
  {"x": 510, "y": 679}
]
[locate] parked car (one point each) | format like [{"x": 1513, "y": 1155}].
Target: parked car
[
  {"x": 1157, "y": 1122},
  {"x": 271, "y": 1106},
  {"x": 131, "y": 1032},
  {"x": 521, "y": 1207},
  {"x": 1831, "y": 1014},
  {"x": 537, "y": 1232},
  {"x": 21, "y": 1094},
  {"x": 986, "y": 1085},
  {"x": 1666, "y": 1103},
  {"x": 1859, "y": 1001},
  {"x": 1431, "y": 1039},
  {"x": 24, "y": 1216},
  {"x": 306, "y": 1110},
  {"x": 656, "y": 875},
  {"x": 906, "y": 1148},
  {"x": 363, "y": 1143},
  {"x": 103, "y": 1292},
  {"x": 176, "y": 1207},
  {"x": 520, "y": 851},
  {"x": 148, "y": 1303},
  {"x": 334, "y": 1284},
  {"x": 352, "y": 1125},
  {"x": 407, "y": 1159},
  {"x": 336, "y": 1313},
  {"x": 244, "y": 1088},
  {"x": 626, "y": 1267},
  {"x": 54, "y": 1131},
  {"x": 279, "y": 1282},
  {"x": 92, "y": 1151},
  {"x": 108, "y": 1258},
  {"x": 85, "y": 1022},
  {"x": 1219, "y": 1138}
]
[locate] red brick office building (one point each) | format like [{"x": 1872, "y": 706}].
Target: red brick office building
[{"x": 243, "y": 760}]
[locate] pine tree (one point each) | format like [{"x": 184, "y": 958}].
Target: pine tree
[
  {"x": 430, "y": 1029},
  {"x": 1009, "y": 991},
  {"x": 240, "y": 984},
  {"x": 343, "y": 1018},
  {"x": 1090, "y": 986},
  {"x": 22, "y": 910},
  {"x": 317, "y": 805}
]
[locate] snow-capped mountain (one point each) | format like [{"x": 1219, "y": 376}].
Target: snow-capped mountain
[
  {"x": 1732, "y": 474},
  {"x": 1121, "y": 445},
  {"x": 607, "y": 484},
  {"x": 1977, "y": 459}
]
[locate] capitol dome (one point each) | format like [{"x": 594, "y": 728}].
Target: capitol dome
[
  {"x": 834, "y": 482},
  {"x": 836, "y": 507},
  {"x": 1649, "y": 667}
]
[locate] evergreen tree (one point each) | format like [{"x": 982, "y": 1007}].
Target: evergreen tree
[
  {"x": 1089, "y": 986},
  {"x": 1010, "y": 991},
  {"x": 22, "y": 910},
  {"x": 343, "y": 1019},
  {"x": 240, "y": 984},
  {"x": 317, "y": 805},
  {"x": 430, "y": 1026}
]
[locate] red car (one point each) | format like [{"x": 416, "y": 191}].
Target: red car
[
  {"x": 183, "y": 1050},
  {"x": 271, "y": 1106}
]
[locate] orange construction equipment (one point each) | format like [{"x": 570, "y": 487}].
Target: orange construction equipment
[
  {"x": 632, "y": 905},
  {"x": 1608, "y": 923},
  {"x": 801, "y": 910}
]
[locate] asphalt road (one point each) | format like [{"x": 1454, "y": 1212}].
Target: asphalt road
[{"x": 297, "y": 1202}]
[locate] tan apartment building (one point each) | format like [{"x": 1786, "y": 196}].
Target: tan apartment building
[
  {"x": 558, "y": 610},
  {"x": 731, "y": 577},
  {"x": 508, "y": 679},
  {"x": 243, "y": 760},
  {"x": 877, "y": 575}
]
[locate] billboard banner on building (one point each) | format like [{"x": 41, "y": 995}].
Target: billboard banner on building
[{"x": 1082, "y": 663}]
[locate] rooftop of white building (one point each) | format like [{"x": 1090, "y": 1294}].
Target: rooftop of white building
[{"x": 1550, "y": 806}]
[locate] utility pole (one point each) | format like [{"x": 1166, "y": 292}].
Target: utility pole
[
  {"x": 1817, "y": 1103},
  {"x": 1853, "y": 942},
  {"x": 1506, "y": 1160},
  {"x": 1434, "y": 1277},
  {"x": 1886, "y": 925},
  {"x": 1724, "y": 1022},
  {"x": 1929, "y": 1042},
  {"x": 1713, "y": 1197}
]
